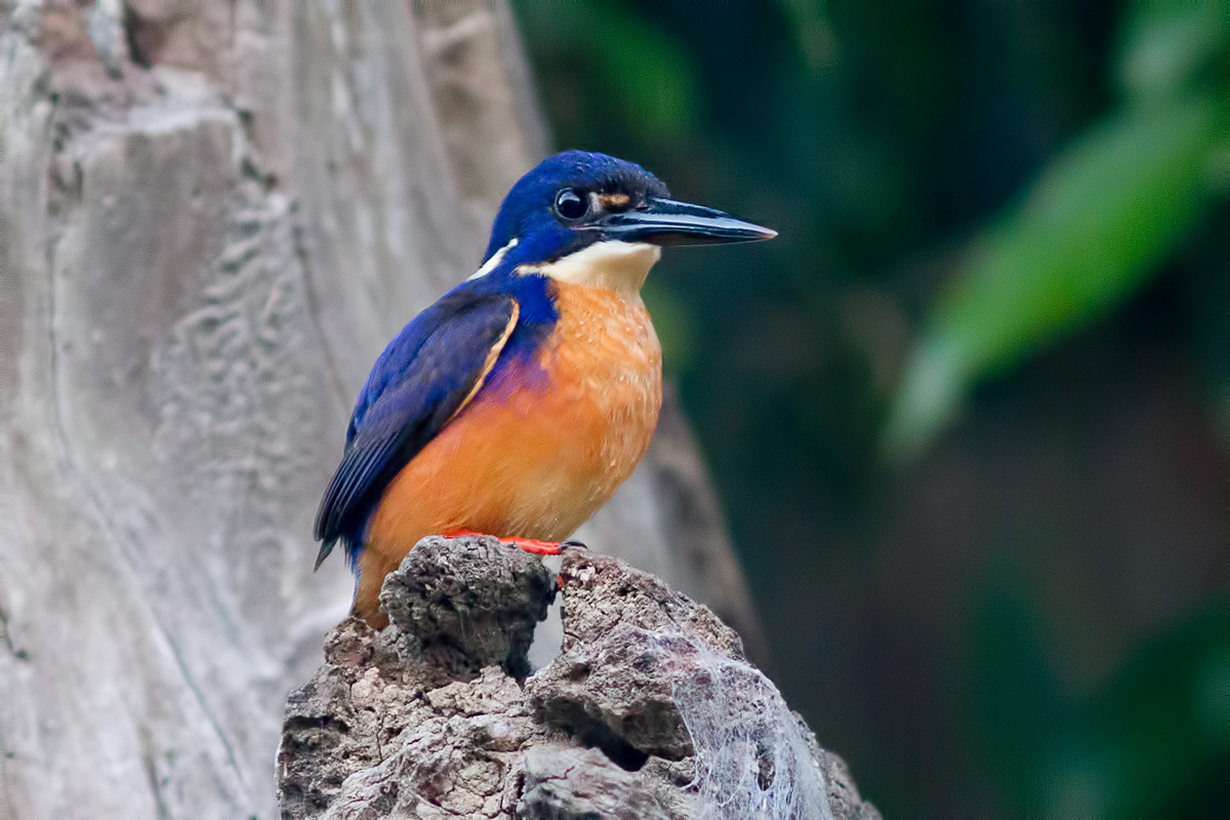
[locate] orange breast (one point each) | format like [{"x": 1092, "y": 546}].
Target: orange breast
[{"x": 533, "y": 458}]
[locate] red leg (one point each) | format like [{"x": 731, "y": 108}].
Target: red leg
[
  {"x": 528, "y": 544},
  {"x": 534, "y": 545}
]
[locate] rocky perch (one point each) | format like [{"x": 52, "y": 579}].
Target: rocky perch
[{"x": 649, "y": 711}]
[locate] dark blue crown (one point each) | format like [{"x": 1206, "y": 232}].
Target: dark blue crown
[{"x": 528, "y": 214}]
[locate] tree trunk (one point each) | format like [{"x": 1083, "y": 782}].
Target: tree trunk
[
  {"x": 213, "y": 215},
  {"x": 649, "y": 712}
]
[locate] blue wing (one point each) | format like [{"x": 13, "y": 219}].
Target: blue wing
[{"x": 423, "y": 378}]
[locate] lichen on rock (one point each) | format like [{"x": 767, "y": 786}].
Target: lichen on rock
[{"x": 650, "y": 710}]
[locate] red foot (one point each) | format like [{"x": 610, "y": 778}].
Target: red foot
[
  {"x": 533, "y": 545},
  {"x": 528, "y": 544}
]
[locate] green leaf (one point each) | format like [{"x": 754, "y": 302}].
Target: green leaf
[
  {"x": 1097, "y": 224},
  {"x": 1166, "y": 44}
]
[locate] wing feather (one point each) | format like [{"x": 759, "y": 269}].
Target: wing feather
[{"x": 423, "y": 380}]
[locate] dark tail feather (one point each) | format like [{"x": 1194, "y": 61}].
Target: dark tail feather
[{"x": 325, "y": 548}]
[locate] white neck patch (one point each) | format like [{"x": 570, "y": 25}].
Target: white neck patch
[
  {"x": 496, "y": 258},
  {"x": 620, "y": 266}
]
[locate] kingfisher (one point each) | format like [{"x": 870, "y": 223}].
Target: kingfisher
[{"x": 516, "y": 404}]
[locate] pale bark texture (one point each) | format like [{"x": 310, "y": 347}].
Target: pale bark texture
[
  {"x": 213, "y": 215},
  {"x": 650, "y": 710}
]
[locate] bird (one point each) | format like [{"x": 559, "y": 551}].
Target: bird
[{"x": 517, "y": 403}]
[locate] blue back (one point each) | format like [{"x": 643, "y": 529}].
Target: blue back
[{"x": 537, "y": 319}]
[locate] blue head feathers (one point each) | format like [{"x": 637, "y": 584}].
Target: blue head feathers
[
  {"x": 578, "y": 198},
  {"x": 531, "y": 213}
]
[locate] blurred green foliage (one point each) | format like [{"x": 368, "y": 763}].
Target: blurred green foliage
[
  {"x": 968, "y": 413},
  {"x": 1095, "y": 224},
  {"x": 1153, "y": 742}
]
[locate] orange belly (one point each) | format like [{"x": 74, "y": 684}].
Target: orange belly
[{"x": 531, "y": 457}]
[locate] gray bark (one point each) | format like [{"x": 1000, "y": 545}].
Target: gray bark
[
  {"x": 213, "y": 215},
  {"x": 649, "y": 710}
]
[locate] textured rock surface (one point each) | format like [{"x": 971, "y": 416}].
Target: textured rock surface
[
  {"x": 470, "y": 603},
  {"x": 213, "y": 215},
  {"x": 650, "y": 711}
]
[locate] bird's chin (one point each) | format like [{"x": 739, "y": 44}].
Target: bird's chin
[{"x": 620, "y": 266}]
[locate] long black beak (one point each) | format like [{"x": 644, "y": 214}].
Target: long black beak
[{"x": 667, "y": 222}]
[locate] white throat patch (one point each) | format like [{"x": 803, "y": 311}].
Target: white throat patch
[{"x": 620, "y": 266}]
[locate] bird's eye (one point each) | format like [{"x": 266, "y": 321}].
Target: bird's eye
[{"x": 571, "y": 204}]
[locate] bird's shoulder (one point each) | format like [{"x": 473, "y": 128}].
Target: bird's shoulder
[
  {"x": 453, "y": 332},
  {"x": 423, "y": 378}
]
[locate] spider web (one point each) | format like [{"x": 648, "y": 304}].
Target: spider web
[{"x": 752, "y": 760}]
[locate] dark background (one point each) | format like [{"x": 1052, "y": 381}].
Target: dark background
[{"x": 968, "y": 414}]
